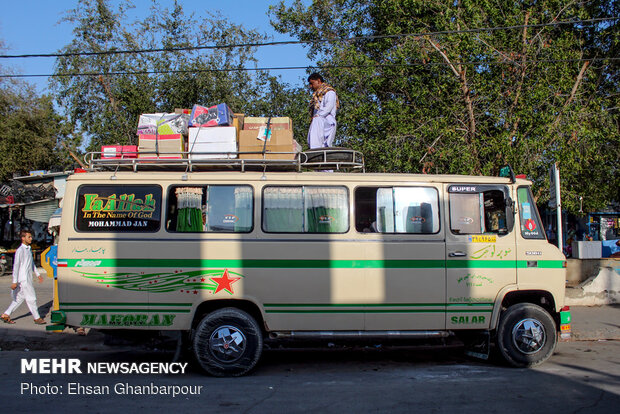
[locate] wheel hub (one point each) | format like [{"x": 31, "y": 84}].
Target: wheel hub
[
  {"x": 529, "y": 336},
  {"x": 227, "y": 343}
]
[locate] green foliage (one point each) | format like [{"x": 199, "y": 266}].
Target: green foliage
[
  {"x": 31, "y": 133},
  {"x": 419, "y": 104},
  {"x": 106, "y": 107}
]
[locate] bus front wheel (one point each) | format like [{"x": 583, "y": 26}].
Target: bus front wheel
[
  {"x": 526, "y": 335},
  {"x": 227, "y": 343}
]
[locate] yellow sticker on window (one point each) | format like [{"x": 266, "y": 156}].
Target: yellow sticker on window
[{"x": 483, "y": 239}]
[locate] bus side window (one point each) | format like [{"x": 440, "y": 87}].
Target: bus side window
[
  {"x": 408, "y": 210},
  {"x": 210, "y": 208},
  {"x": 305, "y": 209}
]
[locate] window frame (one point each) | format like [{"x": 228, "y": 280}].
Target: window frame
[
  {"x": 302, "y": 186},
  {"x": 535, "y": 214},
  {"x": 392, "y": 187},
  {"x": 170, "y": 195},
  {"x": 79, "y": 196},
  {"x": 478, "y": 189}
]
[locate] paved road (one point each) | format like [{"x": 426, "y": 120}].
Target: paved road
[{"x": 583, "y": 377}]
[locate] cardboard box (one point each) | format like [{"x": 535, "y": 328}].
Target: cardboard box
[
  {"x": 206, "y": 135},
  {"x": 163, "y": 124},
  {"x": 160, "y": 146},
  {"x": 238, "y": 120},
  {"x": 218, "y": 140},
  {"x": 290, "y": 149},
  {"x": 217, "y": 115},
  {"x": 111, "y": 152},
  {"x": 277, "y": 123},
  {"x": 250, "y": 137},
  {"x": 213, "y": 150}
]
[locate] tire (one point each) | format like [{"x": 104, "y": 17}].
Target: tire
[
  {"x": 227, "y": 343},
  {"x": 526, "y": 335}
]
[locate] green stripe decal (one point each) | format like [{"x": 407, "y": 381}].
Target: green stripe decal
[
  {"x": 356, "y": 311},
  {"x": 310, "y": 264},
  {"x": 375, "y": 311},
  {"x": 260, "y": 263},
  {"x": 121, "y": 304},
  {"x": 125, "y": 310},
  {"x": 544, "y": 264},
  {"x": 310, "y": 305}
]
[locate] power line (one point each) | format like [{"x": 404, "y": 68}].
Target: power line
[
  {"x": 156, "y": 72},
  {"x": 295, "y": 42}
]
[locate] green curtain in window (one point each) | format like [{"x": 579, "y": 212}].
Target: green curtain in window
[{"x": 189, "y": 207}]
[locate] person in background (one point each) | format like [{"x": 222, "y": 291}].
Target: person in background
[
  {"x": 551, "y": 235},
  {"x": 323, "y": 107},
  {"x": 22, "y": 287},
  {"x": 616, "y": 255}
]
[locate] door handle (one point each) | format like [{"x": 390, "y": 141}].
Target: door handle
[{"x": 457, "y": 254}]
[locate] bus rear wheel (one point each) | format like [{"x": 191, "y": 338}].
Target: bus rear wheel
[
  {"x": 526, "y": 335},
  {"x": 227, "y": 343}
]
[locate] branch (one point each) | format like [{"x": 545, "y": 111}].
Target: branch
[
  {"x": 443, "y": 55},
  {"x": 460, "y": 74},
  {"x": 429, "y": 148},
  {"x": 571, "y": 97},
  {"x": 557, "y": 16},
  {"x": 73, "y": 155}
]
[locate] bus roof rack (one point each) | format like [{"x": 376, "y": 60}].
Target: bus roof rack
[{"x": 324, "y": 159}]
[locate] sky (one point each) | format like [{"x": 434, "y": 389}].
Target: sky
[{"x": 31, "y": 26}]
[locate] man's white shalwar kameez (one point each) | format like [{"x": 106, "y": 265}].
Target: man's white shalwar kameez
[
  {"x": 23, "y": 269},
  {"x": 323, "y": 127}
]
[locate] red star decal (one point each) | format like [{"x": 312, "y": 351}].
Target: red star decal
[
  {"x": 202, "y": 280},
  {"x": 224, "y": 282},
  {"x": 195, "y": 292}
]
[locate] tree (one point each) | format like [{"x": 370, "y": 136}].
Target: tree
[
  {"x": 32, "y": 133},
  {"x": 105, "y": 106},
  {"x": 448, "y": 99}
]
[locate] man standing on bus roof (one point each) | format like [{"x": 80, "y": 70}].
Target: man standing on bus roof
[
  {"x": 323, "y": 107},
  {"x": 22, "y": 288}
]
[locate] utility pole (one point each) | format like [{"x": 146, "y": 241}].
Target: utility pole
[{"x": 555, "y": 201}]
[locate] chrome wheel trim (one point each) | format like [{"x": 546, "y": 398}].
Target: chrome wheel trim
[
  {"x": 529, "y": 336},
  {"x": 227, "y": 344}
]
